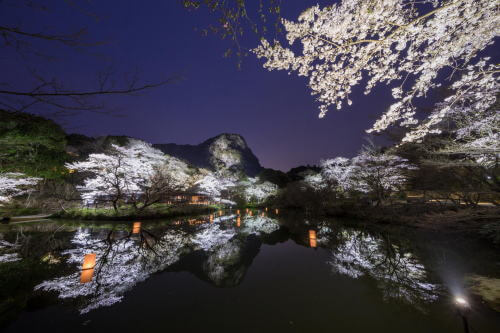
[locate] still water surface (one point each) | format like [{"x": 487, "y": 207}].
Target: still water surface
[{"x": 231, "y": 273}]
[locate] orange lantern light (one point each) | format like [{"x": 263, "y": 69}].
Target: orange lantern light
[
  {"x": 312, "y": 238},
  {"x": 277, "y": 211},
  {"x": 250, "y": 213},
  {"x": 266, "y": 209},
  {"x": 136, "y": 227},
  {"x": 238, "y": 211},
  {"x": 88, "y": 268},
  {"x": 263, "y": 214},
  {"x": 89, "y": 261},
  {"x": 238, "y": 221},
  {"x": 247, "y": 210},
  {"x": 220, "y": 212},
  {"x": 211, "y": 218},
  {"x": 86, "y": 275}
]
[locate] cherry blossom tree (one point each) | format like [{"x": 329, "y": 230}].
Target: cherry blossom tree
[
  {"x": 405, "y": 43},
  {"x": 316, "y": 181},
  {"x": 256, "y": 191},
  {"x": 379, "y": 174},
  {"x": 338, "y": 174},
  {"x": 371, "y": 172},
  {"x": 13, "y": 184},
  {"x": 214, "y": 185},
  {"x": 475, "y": 116},
  {"x": 136, "y": 173}
]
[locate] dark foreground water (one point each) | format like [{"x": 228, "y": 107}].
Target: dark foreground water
[{"x": 260, "y": 273}]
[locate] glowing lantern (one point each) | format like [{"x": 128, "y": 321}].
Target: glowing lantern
[
  {"x": 277, "y": 211},
  {"x": 89, "y": 261},
  {"x": 263, "y": 214},
  {"x": 312, "y": 238},
  {"x": 136, "y": 227},
  {"x": 238, "y": 221},
  {"x": 250, "y": 213},
  {"x": 266, "y": 209},
  {"x": 238, "y": 212},
  {"x": 211, "y": 218},
  {"x": 220, "y": 212}
]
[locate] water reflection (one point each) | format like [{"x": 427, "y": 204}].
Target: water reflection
[
  {"x": 219, "y": 249},
  {"x": 312, "y": 238},
  {"x": 123, "y": 260},
  {"x": 136, "y": 228},
  {"x": 88, "y": 267},
  {"x": 398, "y": 273},
  {"x": 7, "y": 251}
]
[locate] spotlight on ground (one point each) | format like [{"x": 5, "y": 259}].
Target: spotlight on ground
[{"x": 462, "y": 302}]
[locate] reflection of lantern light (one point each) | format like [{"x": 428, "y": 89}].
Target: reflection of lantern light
[
  {"x": 136, "y": 228},
  {"x": 312, "y": 238},
  {"x": 211, "y": 218},
  {"x": 86, "y": 275},
  {"x": 277, "y": 211},
  {"x": 238, "y": 221},
  {"x": 88, "y": 268}
]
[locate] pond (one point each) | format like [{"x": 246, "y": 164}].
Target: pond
[{"x": 254, "y": 272}]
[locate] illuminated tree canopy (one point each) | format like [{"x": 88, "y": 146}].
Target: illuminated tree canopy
[{"x": 404, "y": 43}]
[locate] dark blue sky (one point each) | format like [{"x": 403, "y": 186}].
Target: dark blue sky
[{"x": 273, "y": 111}]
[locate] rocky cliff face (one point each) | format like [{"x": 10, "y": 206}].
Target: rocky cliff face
[{"x": 223, "y": 153}]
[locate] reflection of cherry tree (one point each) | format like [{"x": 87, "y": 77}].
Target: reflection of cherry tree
[
  {"x": 211, "y": 236},
  {"x": 397, "y": 272},
  {"x": 125, "y": 259},
  {"x": 121, "y": 264},
  {"x": 7, "y": 253},
  {"x": 258, "y": 225},
  {"x": 224, "y": 265}
]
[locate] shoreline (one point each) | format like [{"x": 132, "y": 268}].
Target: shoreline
[{"x": 107, "y": 215}]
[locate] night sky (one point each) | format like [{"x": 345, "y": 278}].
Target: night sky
[{"x": 273, "y": 111}]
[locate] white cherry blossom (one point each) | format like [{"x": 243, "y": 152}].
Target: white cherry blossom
[{"x": 402, "y": 43}]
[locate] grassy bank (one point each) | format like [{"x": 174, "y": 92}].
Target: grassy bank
[
  {"x": 128, "y": 213},
  {"x": 16, "y": 210},
  {"x": 482, "y": 222}
]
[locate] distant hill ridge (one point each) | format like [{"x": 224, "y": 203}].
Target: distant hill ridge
[{"x": 224, "y": 152}]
